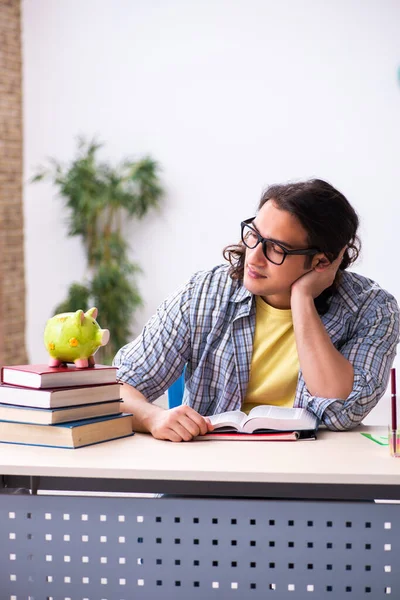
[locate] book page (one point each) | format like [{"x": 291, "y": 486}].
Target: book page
[
  {"x": 232, "y": 418},
  {"x": 276, "y": 412},
  {"x": 277, "y": 417}
]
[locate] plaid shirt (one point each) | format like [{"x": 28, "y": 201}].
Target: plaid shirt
[{"x": 208, "y": 325}]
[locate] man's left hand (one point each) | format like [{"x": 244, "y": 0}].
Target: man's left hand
[{"x": 313, "y": 283}]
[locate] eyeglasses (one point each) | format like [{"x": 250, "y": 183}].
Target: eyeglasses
[{"x": 273, "y": 251}]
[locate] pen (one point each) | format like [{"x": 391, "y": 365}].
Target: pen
[{"x": 394, "y": 410}]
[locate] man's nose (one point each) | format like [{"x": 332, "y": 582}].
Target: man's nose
[{"x": 258, "y": 255}]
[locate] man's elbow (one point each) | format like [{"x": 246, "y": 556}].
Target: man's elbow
[{"x": 340, "y": 425}]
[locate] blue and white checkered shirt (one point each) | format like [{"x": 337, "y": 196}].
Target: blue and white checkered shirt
[{"x": 208, "y": 325}]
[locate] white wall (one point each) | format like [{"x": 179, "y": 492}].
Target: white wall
[{"x": 229, "y": 96}]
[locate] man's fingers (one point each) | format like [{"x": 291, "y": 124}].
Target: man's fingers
[
  {"x": 198, "y": 420},
  {"x": 190, "y": 425},
  {"x": 185, "y": 423},
  {"x": 210, "y": 426},
  {"x": 172, "y": 436},
  {"x": 181, "y": 430}
]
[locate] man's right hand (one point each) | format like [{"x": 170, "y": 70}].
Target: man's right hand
[{"x": 179, "y": 424}]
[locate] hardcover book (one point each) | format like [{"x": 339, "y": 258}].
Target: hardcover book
[
  {"x": 43, "y": 376},
  {"x": 74, "y": 434},
  {"x": 50, "y": 416},
  {"x": 56, "y": 397}
]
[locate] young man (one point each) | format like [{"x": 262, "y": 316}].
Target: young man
[{"x": 283, "y": 324}]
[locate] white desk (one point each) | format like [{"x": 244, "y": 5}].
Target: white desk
[
  {"x": 238, "y": 539},
  {"x": 336, "y": 460}
]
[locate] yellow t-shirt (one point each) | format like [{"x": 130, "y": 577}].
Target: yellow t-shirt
[{"x": 274, "y": 365}]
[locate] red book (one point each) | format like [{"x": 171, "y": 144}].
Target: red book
[
  {"x": 279, "y": 436},
  {"x": 43, "y": 376}
]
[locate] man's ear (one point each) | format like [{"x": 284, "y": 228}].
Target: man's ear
[{"x": 320, "y": 261}]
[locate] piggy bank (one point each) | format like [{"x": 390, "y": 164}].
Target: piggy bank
[{"x": 74, "y": 337}]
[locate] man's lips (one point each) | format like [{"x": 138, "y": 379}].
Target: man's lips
[{"x": 254, "y": 274}]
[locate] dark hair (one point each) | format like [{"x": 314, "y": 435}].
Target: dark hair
[{"x": 328, "y": 218}]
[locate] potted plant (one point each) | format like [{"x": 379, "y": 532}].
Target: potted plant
[{"x": 100, "y": 198}]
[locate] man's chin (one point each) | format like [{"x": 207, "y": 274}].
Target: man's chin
[{"x": 257, "y": 287}]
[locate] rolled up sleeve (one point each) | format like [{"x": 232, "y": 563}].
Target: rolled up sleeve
[{"x": 371, "y": 351}]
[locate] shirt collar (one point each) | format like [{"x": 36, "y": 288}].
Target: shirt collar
[{"x": 240, "y": 294}]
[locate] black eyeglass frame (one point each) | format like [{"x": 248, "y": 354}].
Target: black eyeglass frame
[{"x": 263, "y": 241}]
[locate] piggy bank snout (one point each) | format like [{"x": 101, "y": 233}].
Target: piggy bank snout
[{"x": 105, "y": 336}]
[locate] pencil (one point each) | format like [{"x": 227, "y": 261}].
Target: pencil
[{"x": 394, "y": 410}]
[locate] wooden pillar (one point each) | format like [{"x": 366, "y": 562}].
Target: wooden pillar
[{"x": 12, "y": 273}]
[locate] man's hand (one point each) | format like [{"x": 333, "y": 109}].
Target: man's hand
[
  {"x": 313, "y": 283},
  {"x": 179, "y": 424}
]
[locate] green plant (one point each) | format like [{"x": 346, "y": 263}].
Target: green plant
[{"x": 99, "y": 199}]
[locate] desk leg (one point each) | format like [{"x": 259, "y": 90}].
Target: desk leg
[{"x": 34, "y": 483}]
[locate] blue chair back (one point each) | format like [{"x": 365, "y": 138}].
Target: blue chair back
[{"x": 175, "y": 392}]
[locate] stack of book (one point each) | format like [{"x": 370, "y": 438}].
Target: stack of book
[{"x": 61, "y": 406}]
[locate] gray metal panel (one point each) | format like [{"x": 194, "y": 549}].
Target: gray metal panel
[{"x": 94, "y": 548}]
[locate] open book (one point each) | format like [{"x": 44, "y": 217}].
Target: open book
[{"x": 266, "y": 419}]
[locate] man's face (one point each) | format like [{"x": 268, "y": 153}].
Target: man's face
[{"x": 262, "y": 277}]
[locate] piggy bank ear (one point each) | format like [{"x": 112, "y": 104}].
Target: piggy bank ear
[
  {"x": 92, "y": 312},
  {"x": 79, "y": 317}
]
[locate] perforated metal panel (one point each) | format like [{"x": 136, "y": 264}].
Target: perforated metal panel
[{"x": 76, "y": 548}]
